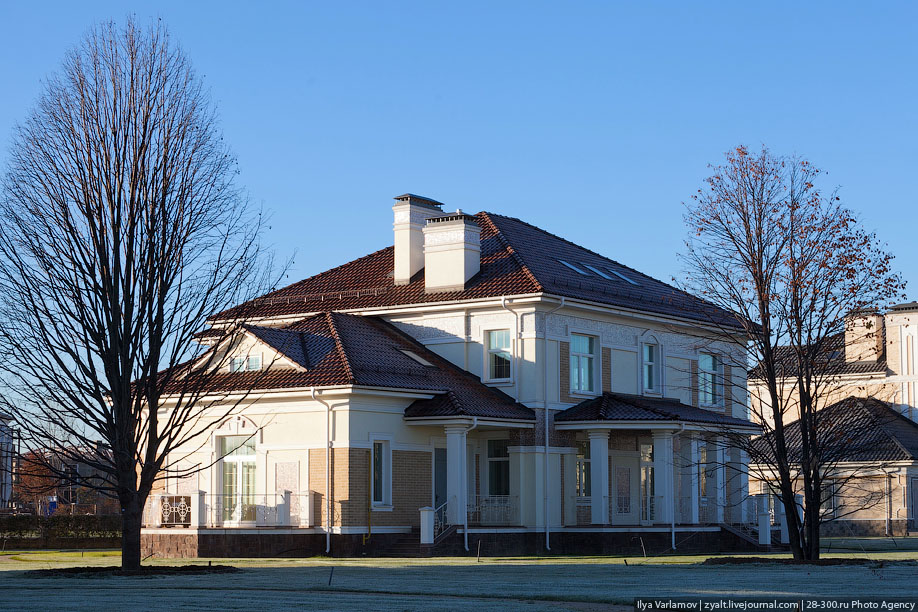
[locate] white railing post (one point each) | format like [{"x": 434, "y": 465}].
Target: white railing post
[
  {"x": 427, "y": 525},
  {"x": 197, "y": 509},
  {"x": 158, "y": 507},
  {"x": 283, "y": 513},
  {"x": 764, "y": 520}
]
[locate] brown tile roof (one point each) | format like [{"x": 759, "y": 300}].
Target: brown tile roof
[
  {"x": 516, "y": 258},
  {"x": 340, "y": 349},
  {"x": 853, "y": 429},
  {"x": 834, "y": 361},
  {"x": 626, "y": 407}
]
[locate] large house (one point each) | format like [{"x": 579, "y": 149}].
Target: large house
[{"x": 479, "y": 379}]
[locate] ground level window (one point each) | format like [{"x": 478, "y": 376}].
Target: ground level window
[
  {"x": 381, "y": 473},
  {"x": 498, "y": 467},
  {"x": 583, "y": 469}
]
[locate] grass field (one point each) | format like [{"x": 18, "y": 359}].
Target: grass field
[{"x": 517, "y": 583}]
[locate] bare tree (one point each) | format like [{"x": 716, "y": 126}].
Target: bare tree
[
  {"x": 766, "y": 243},
  {"x": 122, "y": 229}
]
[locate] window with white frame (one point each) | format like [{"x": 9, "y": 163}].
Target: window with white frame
[
  {"x": 583, "y": 358},
  {"x": 710, "y": 373},
  {"x": 499, "y": 355},
  {"x": 651, "y": 369},
  {"x": 382, "y": 473},
  {"x": 237, "y": 459},
  {"x": 498, "y": 467},
  {"x": 583, "y": 468},
  {"x": 249, "y": 363}
]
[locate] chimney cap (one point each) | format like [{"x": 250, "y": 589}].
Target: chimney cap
[{"x": 420, "y": 200}]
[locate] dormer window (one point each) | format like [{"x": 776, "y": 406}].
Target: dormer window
[{"x": 249, "y": 363}]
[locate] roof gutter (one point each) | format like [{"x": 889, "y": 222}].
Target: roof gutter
[{"x": 545, "y": 404}]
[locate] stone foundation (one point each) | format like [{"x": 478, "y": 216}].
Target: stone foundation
[
  {"x": 865, "y": 528},
  {"x": 218, "y": 543}
]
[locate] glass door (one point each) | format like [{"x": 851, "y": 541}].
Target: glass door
[{"x": 238, "y": 471}]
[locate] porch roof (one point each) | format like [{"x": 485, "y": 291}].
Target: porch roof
[{"x": 625, "y": 407}]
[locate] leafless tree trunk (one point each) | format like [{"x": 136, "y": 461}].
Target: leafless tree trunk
[
  {"x": 766, "y": 244},
  {"x": 121, "y": 231}
]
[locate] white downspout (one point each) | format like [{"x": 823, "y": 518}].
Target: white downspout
[
  {"x": 465, "y": 489},
  {"x": 672, "y": 510},
  {"x": 545, "y": 404},
  {"x": 328, "y": 517}
]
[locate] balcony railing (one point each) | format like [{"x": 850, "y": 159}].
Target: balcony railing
[
  {"x": 494, "y": 509},
  {"x": 213, "y": 510}
]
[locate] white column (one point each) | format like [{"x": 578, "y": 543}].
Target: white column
[
  {"x": 570, "y": 488},
  {"x": 427, "y": 525},
  {"x": 599, "y": 477},
  {"x": 455, "y": 473},
  {"x": 720, "y": 478},
  {"x": 663, "y": 476},
  {"x": 690, "y": 479},
  {"x": 743, "y": 473}
]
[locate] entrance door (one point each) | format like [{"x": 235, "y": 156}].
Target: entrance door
[
  {"x": 625, "y": 499},
  {"x": 439, "y": 477},
  {"x": 238, "y": 475}
]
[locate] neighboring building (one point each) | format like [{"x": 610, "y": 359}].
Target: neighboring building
[
  {"x": 426, "y": 372},
  {"x": 7, "y": 461},
  {"x": 876, "y": 356},
  {"x": 62, "y": 483},
  {"x": 873, "y": 361},
  {"x": 873, "y": 456}
]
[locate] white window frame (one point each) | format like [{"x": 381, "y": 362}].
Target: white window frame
[
  {"x": 486, "y": 341},
  {"x": 656, "y": 366},
  {"x": 385, "y": 501},
  {"x": 595, "y": 356},
  {"x": 244, "y": 363},
  {"x": 717, "y": 383},
  {"x": 217, "y": 440}
]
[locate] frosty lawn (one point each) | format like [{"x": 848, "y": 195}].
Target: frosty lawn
[{"x": 583, "y": 583}]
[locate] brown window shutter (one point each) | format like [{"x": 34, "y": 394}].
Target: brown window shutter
[
  {"x": 564, "y": 365},
  {"x": 606, "y": 369},
  {"x": 728, "y": 391},
  {"x": 694, "y": 382}
]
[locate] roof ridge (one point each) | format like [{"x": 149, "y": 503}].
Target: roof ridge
[
  {"x": 896, "y": 417},
  {"x": 330, "y": 317},
  {"x": 509, "y": 248},
  {"x": 600, "y": 255},
  {"x": 320, "y": 274}
]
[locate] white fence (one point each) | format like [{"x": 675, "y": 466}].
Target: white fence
[{"x": 213, "y": 510}]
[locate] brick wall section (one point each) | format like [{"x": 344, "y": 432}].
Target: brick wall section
[
  {"x": 694, "y": 382},
  {"x": 412, "y": 489},
  {"x": 606, "y": 369}
]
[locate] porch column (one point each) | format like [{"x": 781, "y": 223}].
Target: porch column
[
  {"x": 599, "y": 477},
  {"x": 455, "y": 473},
  {"x": 690, "y": 502},
  {"x": 663, "y": 476},
  {"x": 716, "y": 450}
]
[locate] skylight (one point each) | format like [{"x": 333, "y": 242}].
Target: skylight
[
  {"x": 621, "y": 276},
  {"x": 573, "y": 267},
  {"x": 417, "y": 358},
  {"x": 597, "y": 271}
]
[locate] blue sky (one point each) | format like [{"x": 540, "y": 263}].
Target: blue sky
[{"x": 592, "y": 120}]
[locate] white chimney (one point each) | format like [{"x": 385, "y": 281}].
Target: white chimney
[
  {"x": 411, "y": 212},
  {"x": 452, "y": 252}
]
